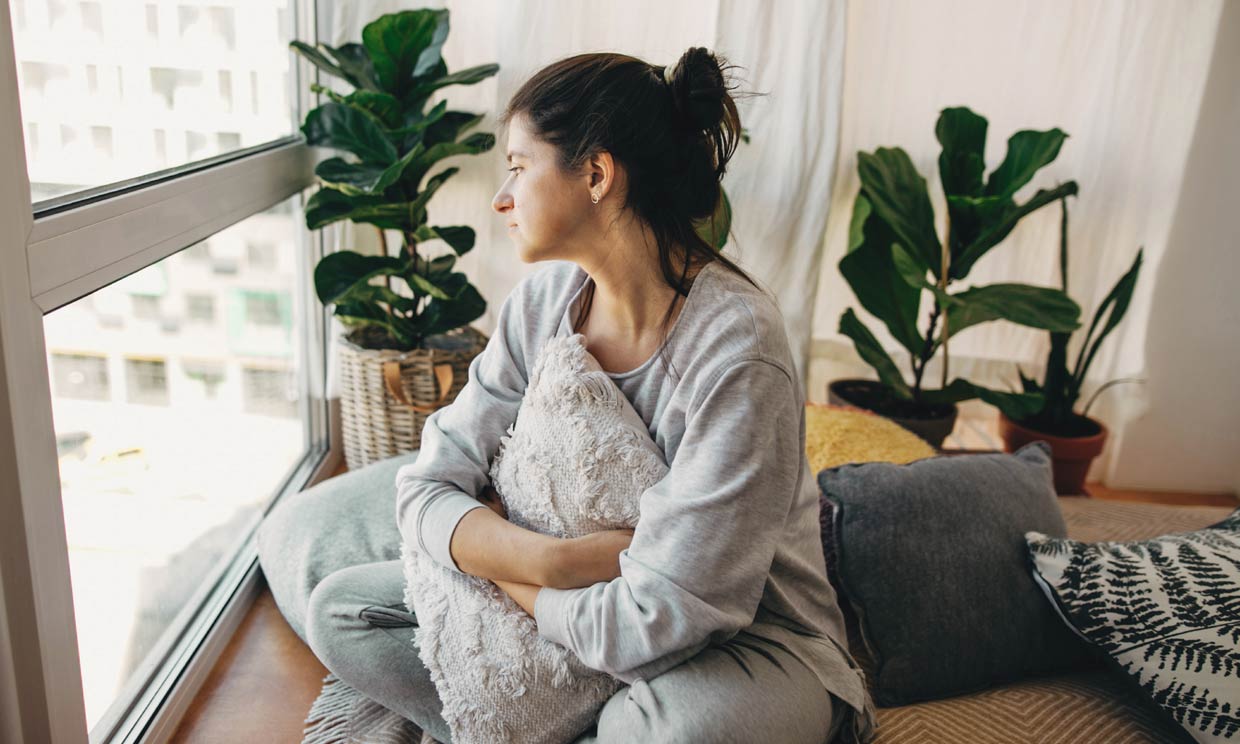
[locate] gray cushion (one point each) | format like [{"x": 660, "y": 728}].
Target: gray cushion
[
  {"x": 339, "y": 522},
  {"x": 932, "y": 559}
]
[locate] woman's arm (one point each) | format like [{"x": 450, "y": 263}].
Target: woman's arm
[
  {"x": 523, "y": 594},
  {"x": 487, "y": 545}
]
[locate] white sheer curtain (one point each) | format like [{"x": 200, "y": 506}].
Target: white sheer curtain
[{"x": 1123, "y": 79}]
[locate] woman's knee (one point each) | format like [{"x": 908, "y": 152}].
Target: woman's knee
[{"x": 333, "y": 615}]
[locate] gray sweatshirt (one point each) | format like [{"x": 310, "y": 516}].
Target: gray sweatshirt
[{"x": 728, "y": 540}]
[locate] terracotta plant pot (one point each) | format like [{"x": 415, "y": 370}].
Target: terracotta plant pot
[
  {"x": 931, "y": 423},
  {"x": 1071, "y": 455}
]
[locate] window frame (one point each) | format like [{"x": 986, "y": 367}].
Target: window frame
[{"x": 67, "y": 248}]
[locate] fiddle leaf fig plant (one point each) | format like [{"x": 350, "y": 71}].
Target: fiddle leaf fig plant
[
  {"x": 1061, "y": 388},
  {"x": 895, "y": 254},
  {"x": 391, "y": 142}
]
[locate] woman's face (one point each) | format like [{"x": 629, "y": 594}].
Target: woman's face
[{"x": 548, "y": 214}]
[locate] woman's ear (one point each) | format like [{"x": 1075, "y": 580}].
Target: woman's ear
[{"x": 600, "y": 173}]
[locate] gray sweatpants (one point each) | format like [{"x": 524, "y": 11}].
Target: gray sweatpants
[{"x": 748, "y": 689}]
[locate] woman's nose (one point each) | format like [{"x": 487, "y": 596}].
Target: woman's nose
[{"x": 501, "y": 203}]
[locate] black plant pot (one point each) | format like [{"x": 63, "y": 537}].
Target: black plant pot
[{"x": 930, "y": 422}]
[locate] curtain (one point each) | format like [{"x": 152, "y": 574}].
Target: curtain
[{"x": 1123, "y": 79}]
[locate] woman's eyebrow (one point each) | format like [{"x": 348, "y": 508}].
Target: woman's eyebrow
[{"x": 517, "y": 153}]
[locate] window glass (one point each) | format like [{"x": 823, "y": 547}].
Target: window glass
[
  {"x": 117, "y": 89},
  {"x": 176, "y": 407}
]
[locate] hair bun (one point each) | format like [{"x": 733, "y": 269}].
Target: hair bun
[{"x": 698, "y": 88}]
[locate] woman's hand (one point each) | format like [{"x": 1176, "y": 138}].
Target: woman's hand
[{"x": 589, "y": 559}]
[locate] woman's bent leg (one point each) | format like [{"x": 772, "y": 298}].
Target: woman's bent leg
[
  {"x": 745, "y": 690},
  {"x": 357, "y": 624}
]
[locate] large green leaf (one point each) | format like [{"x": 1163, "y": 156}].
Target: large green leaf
[
  {"x": 347, "y": 128},
  {"x": 428, "y": 157},
  {"x": 328, "y": 205},
  {"x": 962, "y": 134},
  {"x": 869, "y": 268},
  {"x": 714, "y": 229},
  {"x": 404, "y": 45},
  {"x": 362, "y": 178},
  {"x": 1016, "y": 405},
  {"x": 350, "y": 178},
  {"x": 897, "y": 194},
  {"x": 1117, "y": 303},
  {"x": 468, "y": 76},
  {"x": 460, "y": 238},
  {"x": 371, "y": 314},
  {"x": 969, "y": 217},
  {"x": 355, "y": 61},
  {"x": 1027, "y": 152},
  {"x": 382, "y": 107},
  {"x": 320, "y": 56},
  {"x": 874, "y": 354},
  {"x": 1024, "y": 304},
  {"x": 338, "y": 273},
  {"x": 997, "y": 226},
  {"x": 441, "y": 316},
  {"x": 418, "y": 124},
  {"x": 436, "y": 268},
  {"x": 450, "y": 127},
  {"x": 380, "y": 293},
  {"x": 416, "y": 209}
]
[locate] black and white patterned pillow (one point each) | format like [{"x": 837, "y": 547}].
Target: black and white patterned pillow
[{"x": 1165, "y": 610}]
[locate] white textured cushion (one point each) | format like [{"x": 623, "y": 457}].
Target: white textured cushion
[{"x": 575, "y": 461}]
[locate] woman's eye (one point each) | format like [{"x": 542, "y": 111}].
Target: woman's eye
[{"x": 513, "y": 168}]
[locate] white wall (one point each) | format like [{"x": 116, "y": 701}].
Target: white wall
[{"x": 1189, "y": 438}]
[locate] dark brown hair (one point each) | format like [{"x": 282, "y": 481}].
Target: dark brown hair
[{"x": 673, "y": 131}]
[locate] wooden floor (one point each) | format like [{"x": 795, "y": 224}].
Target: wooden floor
[{"x": 263, "y": 685}]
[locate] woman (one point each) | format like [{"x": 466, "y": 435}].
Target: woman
[{"x": 715, "y": 610}]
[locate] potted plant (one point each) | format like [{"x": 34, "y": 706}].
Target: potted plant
[
  {"x": 1075, "y": 438},
  {"x": 893, "y": 243},
  {"x": 409, "y": 348}
]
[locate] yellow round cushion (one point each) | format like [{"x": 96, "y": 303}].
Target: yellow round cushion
[{"x": 835, "y": 435}]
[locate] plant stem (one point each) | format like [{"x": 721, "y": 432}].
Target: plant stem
[
  {"x": 920, "y": 369},
  {"x": 945, "y": 263},
  {"x": 387, "y": 278},
  {"x": 1085, "y": 412}
]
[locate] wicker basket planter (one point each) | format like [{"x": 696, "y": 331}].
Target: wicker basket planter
[{"x": 386, "y": 395}]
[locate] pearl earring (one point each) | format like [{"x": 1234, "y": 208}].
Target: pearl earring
[{"x": 594, "y": 198}]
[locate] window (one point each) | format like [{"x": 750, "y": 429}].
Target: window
[
  {"x": 208, "y": 375},
  {"x": 165, "y": 453},
  {"x": 145, "y": 307},
  {"x": 81, "y": 376},
  {"x": 267, "y": 392},
  {"x": 261, "y": 255},
  {"x": 153, "y": 459},
  {"x": 146, "y": 381},
  {"x": 262, "y": 309},
  {"x": 200, "y": 307}
]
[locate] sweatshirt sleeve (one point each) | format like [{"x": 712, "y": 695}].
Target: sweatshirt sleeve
[
  {"x": 701, "y": 553},
  {"x": 436, "y": 490}
]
